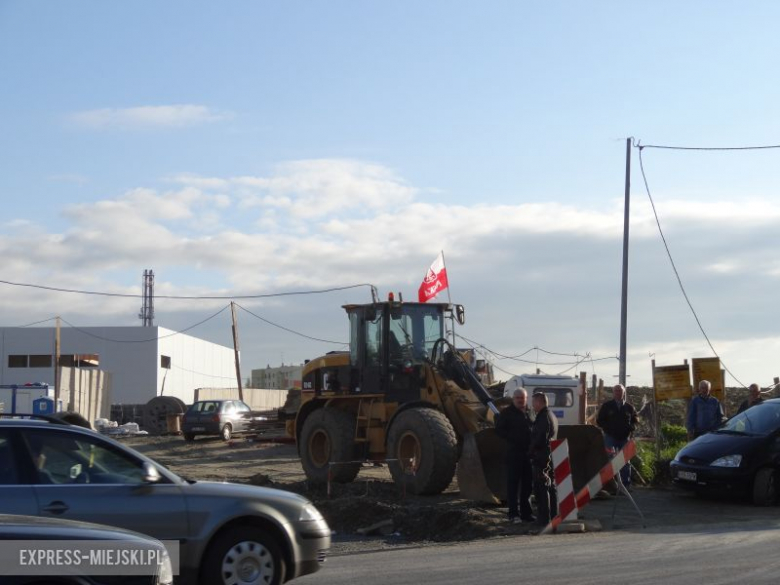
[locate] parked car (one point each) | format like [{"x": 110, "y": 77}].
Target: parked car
[
  {"x": 39, "y": 530},
  {"x": 229, "y": 533},
  {"x": 216, "y": 417},
  {"x": 741, "y": 457}
]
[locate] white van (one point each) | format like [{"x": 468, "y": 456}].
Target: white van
[{"x": 564, "y": 394}]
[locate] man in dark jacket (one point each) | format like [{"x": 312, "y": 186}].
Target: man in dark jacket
[
  {"x": 618, "y": 418},
  {"x": 754, "y": 398},
  {"x": 544, "y": 430},
  {"x": 514, "y": 426}
]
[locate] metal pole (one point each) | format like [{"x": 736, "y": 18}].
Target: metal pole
[
  {"x": 235, "y": 351},
  {"x": 57, "y": 372},
  {"x": 449, "y": 300},
  {"x": 624, "y": 293}
]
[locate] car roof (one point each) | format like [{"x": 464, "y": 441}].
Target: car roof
[{"x": 18, "y": 420}]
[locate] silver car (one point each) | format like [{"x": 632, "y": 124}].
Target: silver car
[{"x": 228, "y": 533}]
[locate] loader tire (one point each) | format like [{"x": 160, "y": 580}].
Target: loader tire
[
  {"x": 327, "y": 446},
  {"x": 422, "y": 451}
]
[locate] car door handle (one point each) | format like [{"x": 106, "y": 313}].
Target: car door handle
[{"x": 56, "y": 507}]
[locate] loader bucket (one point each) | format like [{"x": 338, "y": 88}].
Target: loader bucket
[
  {"x": 587, "y": 452},
  {"x": 481, "y": 467}
]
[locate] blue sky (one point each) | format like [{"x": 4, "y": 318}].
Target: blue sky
[{"x": 255, "y": 146}]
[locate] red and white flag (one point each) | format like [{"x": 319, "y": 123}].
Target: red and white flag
[{"x": 435, "y": 280}]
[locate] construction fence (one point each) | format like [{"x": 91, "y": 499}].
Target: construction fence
[
  {"x": 256, "y": 398},
  {"x": 86, "y": 391}
]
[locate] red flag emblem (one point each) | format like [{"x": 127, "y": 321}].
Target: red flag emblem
[{"x": 435, "y": 280}]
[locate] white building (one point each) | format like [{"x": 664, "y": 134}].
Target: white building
[
  {"x": 279, "y": 378},
  {"x": 144, "y": 361}
]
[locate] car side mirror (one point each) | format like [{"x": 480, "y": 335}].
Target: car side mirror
[{"x": 151, "y": 475}]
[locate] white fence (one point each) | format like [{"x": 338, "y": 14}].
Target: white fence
[{"x": 256, "y": 398}]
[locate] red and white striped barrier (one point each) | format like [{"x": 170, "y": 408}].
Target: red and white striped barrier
[
  {"x": 567, "y": 504},
  {"x": 587, "y": 493}
]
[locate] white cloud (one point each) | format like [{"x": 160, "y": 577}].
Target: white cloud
[
  {"x": 145, "y": 117},
  {"x": 315, "y": 188}
]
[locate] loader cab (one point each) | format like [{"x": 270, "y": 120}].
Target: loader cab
[{"x": 389, "y": 343}]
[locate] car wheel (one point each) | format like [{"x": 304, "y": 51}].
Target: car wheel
[
  {"x": 765, "y": 487},
  {"x": 243, "y": 555},
  {"x": 189, "y": 437},
  {"x": 227, "y": 432}
]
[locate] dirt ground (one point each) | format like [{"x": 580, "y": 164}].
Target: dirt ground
[
  {"x": 370, "y": 499},
  {"x": 374, "y": 498}
]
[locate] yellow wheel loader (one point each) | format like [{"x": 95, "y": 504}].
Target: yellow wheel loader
[{"x": 403, "y": 395}]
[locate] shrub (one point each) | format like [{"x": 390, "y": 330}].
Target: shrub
[{"x": 673, "y": 435}]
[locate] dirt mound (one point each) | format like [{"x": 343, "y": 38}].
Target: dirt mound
[{"x": 352, "y": 508}]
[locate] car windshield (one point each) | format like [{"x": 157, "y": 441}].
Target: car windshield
[{"x": 761, "y": 419}]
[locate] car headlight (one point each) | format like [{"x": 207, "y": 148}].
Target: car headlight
[
  {"x": 165, "y": 570},
  {"x": 310, "y": 514},
  {"x": 727, "y": 461}
]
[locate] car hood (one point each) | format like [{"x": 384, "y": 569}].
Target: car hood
[{"x": 712, "y": 446}]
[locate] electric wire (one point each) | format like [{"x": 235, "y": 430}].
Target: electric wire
[
  {"x": 189, "y": 297},
  {"x": 264, "y": 320},
  {"x": 36, "y": 323},
  {"x": 202, "y": 373},
  {"x": 671, "y": 259},
  {"x": 578, "y": 360},
  {"x": 476, "y": 349},
  {"x": 96, "y": 336},
  {"x": 707, "y": 148}
]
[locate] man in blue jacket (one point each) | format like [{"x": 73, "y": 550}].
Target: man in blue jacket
[{"x": 705, "y": 413}]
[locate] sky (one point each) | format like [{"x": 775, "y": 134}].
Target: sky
[{"x": 255, "y": 147}]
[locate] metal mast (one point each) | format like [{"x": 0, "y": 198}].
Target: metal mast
[{"x": 147, "y": 308}]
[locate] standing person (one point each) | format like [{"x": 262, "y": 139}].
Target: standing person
[
  {"x": 754, "y": 397},
  {"x": 705, "y": 412},
  {"x": 544, "y": 430},
  {"x": 618, "y": 418},
  {"x": 514, "y": 426}
]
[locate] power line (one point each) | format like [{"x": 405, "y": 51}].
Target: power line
[
  {"x": 706, "y": 148},
  {"x": 36, "y": 323},
  {"x": 485, "y": 356},
  {"x": 264, "y": 320},
  {"x": 671, "y": 259},
  {"x": 90, "y": 334},
  {"x": 203, "y": 374},
  {"x": 579, "y": 357},
  {"x": 189, "y": 297}
]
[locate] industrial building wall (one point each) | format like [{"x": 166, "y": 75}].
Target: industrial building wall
[
  {"x": 193, "y": 363},
  {"x": 130, "y": 354}
]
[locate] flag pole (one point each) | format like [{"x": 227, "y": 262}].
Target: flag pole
[{"x": 449, "y": 300}]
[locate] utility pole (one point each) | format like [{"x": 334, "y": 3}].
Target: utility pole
[
  {"x": 624, "y": 295},
  {"x": 235, "y": 351},
  {"x": 57, "y": 381}
]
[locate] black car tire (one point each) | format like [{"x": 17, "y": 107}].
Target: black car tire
[
  {"x": 245, "y": 542},
  {"x": 189, "y": 437},
  {"x": 227, "y": 432},
  {"x": 765, "y": 487}
]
